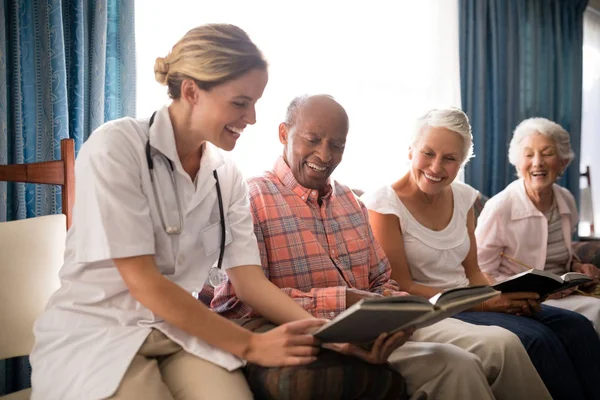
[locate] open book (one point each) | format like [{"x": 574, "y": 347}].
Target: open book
[
  {"x": 541, "y": 282},
  {"x": 368, "y": 318}
]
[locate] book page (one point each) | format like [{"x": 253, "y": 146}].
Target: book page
[
  {"x": 395, "y": 300},
  {"x": 574, "y": 276},
  {"x": 459, "y": 295}
]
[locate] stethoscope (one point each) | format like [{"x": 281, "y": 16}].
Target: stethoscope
[{"x": 216, "y": 276}]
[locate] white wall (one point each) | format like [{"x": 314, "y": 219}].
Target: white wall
[{"x": 386, "y": 62}]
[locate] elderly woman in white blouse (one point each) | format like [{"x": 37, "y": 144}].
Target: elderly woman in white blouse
[{"x": 529, "y": 224}]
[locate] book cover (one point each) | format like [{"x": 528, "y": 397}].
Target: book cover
[
  {"x": 542, "y": 282},
  {"x": 368, "y": 318}
]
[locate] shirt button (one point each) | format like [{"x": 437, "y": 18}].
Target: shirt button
[
  {"x": 181, "y": 259},
  {"x": 333, "y": 252},
  {"x": 332, "y": 314},
  {"x": 313, "y": 193},
  {"x": 303, "y": 197}
]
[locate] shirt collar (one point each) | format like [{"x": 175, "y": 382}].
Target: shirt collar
[
  {"x": 523, "y": 207},
  {"x": 162, "y": 139},
  {"x": 285, "y": 175}
]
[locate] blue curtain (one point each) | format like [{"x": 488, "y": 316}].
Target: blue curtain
[
  {"x": 519, "y": 59},
  {"x": 65, "y": 68}
]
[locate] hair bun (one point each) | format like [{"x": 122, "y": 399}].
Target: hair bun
[{"x": 161, "y": 70}]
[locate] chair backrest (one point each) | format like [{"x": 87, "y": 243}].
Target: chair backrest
[
  {"x": 59, "y": 172},
  {"x": 31, "y": 254}
]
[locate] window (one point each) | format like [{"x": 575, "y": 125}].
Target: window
[
  {"x": 385, "y": 62},
  {"x": 590, "y": 121}
]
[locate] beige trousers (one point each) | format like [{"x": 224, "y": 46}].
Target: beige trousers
[
  {"x": 457, "y": 360},
  {"x": 162, "y": 370}
]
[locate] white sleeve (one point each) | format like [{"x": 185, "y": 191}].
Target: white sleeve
[
  {"x": 489, "y": 237},
  {"x": 243, "y": 250},
  {"x": 382, "y": 201},
  {"x": 111, "y": 211},
  {"x": 466, "y": 195}
]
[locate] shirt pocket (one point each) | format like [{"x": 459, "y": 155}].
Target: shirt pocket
[
  {"x": 357, "y": 251},
  {"x": 211, "y": 237}
]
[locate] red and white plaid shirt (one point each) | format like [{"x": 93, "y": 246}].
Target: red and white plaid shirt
[{"x": 312, "y": 252}]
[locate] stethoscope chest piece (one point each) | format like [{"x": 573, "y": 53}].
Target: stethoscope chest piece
[{"x": 216, "y": 276}]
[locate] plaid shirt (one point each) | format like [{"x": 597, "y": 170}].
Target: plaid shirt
[{"x": 312, "y": 252}]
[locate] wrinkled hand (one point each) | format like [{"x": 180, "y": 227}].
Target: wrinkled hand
[
  {"x": 287, "y": 345},
  {"x": 590, "y": 270},
  {"x": 355, "y": 295},
  {"x": 383, "y": 346},
  {"x": 520, "y": 303},
  {"x": 562, "y": 293}
]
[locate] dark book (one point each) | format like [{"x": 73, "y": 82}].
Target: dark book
[
  {"x": 542, "y": 282},
  {"x": 364, "y": 321}
]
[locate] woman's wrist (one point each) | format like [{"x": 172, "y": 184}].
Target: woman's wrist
[
  {"x": 481, "y": 306},
  {"x": 244, "y": 347}
]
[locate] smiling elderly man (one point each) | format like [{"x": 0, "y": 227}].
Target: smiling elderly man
[{"x": 316, "y": 244}]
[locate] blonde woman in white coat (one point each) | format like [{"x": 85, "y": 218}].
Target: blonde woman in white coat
[{"x": 157, "y": 207}]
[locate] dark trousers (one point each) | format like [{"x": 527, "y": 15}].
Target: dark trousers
[
  {"x": 332, "y": 376},
  {"x": 563, "y": 347}
]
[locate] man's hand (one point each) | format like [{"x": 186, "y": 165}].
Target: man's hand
[
  {"x": 521, "y": 303},
  {"x": 355, "y": 295},
  {"x": 383, "y": 346}
]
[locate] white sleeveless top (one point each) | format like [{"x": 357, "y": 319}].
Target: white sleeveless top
[{"x": 434, "y": 257}]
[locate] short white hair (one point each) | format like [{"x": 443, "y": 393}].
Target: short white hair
[
  {"x": 547, "y": 128},
  {"x": 453, "y": 119}
]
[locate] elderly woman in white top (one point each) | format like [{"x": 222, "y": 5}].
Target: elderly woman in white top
[
  {"x": 529, "y": 224},
  {"x": 425, "y": 223}
]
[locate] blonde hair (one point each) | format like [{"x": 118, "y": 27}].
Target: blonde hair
[
  {"x": 453, "y": 119},
  {"x": 210, "y": 55}
]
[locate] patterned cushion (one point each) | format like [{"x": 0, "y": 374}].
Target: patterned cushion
[{"x": 332, "y": 376}]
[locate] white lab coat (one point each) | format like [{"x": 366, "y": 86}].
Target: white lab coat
[{"x": 92, "y": 326}]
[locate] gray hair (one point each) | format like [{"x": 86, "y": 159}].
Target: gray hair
[
  {"x": 547, "y": 128},
  {"x": 453, "y": 119},
  {"x": 297, "y": 103},
  {"x": 292, "y": 110}
]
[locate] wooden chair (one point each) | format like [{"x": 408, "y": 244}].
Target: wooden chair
[
  {"x": 60, "y": 172},
  {"x": 31, "y": 254}
]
